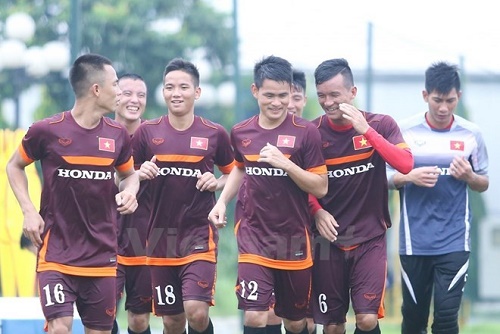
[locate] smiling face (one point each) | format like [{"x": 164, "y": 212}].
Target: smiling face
[
  {"x": 331, "y": 94},
  {"x": 133, "y": 100},
  {"x": 298, "y": 101},
  {"x": 180, "y": 93},
  {"x": 273, "y": 98}
]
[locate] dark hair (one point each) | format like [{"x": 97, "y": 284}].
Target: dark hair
[
  {"x": 272, "y": 68},
  {"x": 132, "y": 76},
  {"x": 86, "y": 70},
  {"x": 442, "y": 77},
  {"x": 299, "y": 80},
  {"x": 332, "y": 67},
  {"x": 179, "y": 64}
]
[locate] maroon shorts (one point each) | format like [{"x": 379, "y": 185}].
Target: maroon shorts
[
  {"x": 359, "y": 273},
  {"x": 172, "y": 285},
  {"x": 292, "y": 290},
  {"x": 137, "y": 283},
  {"x": 94, "y": 297}
]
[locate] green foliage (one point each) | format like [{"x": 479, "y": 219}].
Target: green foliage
[{"x": 123, "y": 31}]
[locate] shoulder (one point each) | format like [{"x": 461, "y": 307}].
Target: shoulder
[
  {"x": 243, "y": 124},
  {"x": 112, "y": 123},
  {"x": 412, "y": 121},
  {"x": 466, "y": 124},
  {"x": 148, "y": 125},
  {"x": 376, "y": 117},
  {"x": 301, "y": 122},
  {"x": 209, "y": 124},
  {"x": 45, "y": 124},
  {"x": 318, "y": 121},
  {"x": 152, "y": 122}
]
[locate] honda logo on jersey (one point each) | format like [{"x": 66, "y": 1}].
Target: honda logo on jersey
[
  {"x": 456, "y": 145},
  {"x": 106, "y": 144},
  {"x": 286, "y": 141},
  {"x": 199, "y": 143},
  {"x": 360, "y": 142}
]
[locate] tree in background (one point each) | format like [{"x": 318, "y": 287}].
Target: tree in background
[{"x": 138, "y": 36}]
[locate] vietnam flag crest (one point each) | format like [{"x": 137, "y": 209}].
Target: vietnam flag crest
[
  {"x": 360, "y": 142},
  {"x": 457, "y": 145},
  {"x": 286, "y": 141},
  {"x": 106, "y": 144},
  {"x": 199, "y": 143}
]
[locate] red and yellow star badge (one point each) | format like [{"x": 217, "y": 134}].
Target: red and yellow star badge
[
  {"x": 360, "y": 142},
  {"x": 199, "y": 143},
  {"x": 457, "y": 145},
  {"x": 285, "y": 141},
  {"x": 106, "y": 144}
]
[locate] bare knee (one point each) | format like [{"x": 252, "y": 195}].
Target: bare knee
[
  {"x": 138, "y": 322},
  {"x": 197, "y": 314},
  {"x": 174, "y": 323},
  {"x": 366, "y": 322},
  {"x": 294, "y": 326},
  {"x": 334, "y": 329},
  {"x": 255, "y": 318},
  {"x": 60, "y": 325}
]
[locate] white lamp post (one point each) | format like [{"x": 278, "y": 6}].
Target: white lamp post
[{"x": 25, "y": 62}]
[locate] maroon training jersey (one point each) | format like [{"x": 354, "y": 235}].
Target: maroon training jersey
[
  {"x": 179, "y": 230},
  {"x": 78, "y": 195},
  {"x": 272, "y": 215},
  {"x": 357, "y": 184},
  {"x": 133, "y": 230}
]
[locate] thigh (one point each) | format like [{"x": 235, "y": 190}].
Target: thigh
[
  {"x": 292, "y": 289},
  {"x": 450, "y": 275},
  {"x": 417, "y": 275},
  {"x": 96, "y": 302},
  {"x": 167, "y": 290},
  {"x": 138, "y": 289},
  {"x": 198, "y": 281},
  {"x": 254, "y": 287},
  {"x": 330, "y": 297},
  {"x": 58, "y": 292},
  {"x": 367, "y": 276}
]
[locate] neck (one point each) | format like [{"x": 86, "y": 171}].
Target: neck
[
  {"x": 130, "y": 125},
  {"x": 85, "y": 116},
  {"x": 270, "y": 124},
  {"x": 181, "y": 122}
]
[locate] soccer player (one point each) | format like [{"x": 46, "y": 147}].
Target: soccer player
[
  {"x": 278, "y": 162},
  {"x": 352, "y": 219},
  {"x": 298, "y": 100},
  {"x": 179, "y": 152},
  {"x": 133, "y": 274},
  {"x": 75, "y": 231},
  {"x": 434, "y": 236}
]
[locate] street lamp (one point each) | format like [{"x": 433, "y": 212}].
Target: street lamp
[{"x": 25, "y": 64}]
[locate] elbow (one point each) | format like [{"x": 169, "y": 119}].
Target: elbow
[
  {"x": 405, "y": 166},
  {"x": 321, "y": 191},
  {"x": 406, "y": 169}
]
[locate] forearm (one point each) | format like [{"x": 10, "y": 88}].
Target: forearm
[
  {"x": 221, "y": 181},
  {"x": 232, "y": 185},
  {"x": 478, "y": 182},
  {"x": 19, "y": 184},
  {"x": 399, "y": 158},
  {"x": 311, "y": 183},
  {"x": 129, "y": 183},
  {"x": 399, "y": 180}
]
